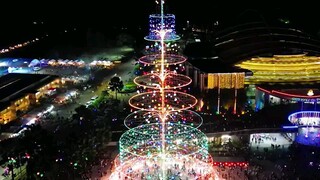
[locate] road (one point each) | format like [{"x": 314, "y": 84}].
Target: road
[{"x": 66, "y": 111}]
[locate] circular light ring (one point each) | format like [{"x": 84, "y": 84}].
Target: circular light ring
[
  {"x": 170, "y": 38},
  {"x": 200, "y": 155},
  {"x": 146, "y": 139},
  {"x": 171, "y": 81},
  {"x": 305, "y": 118},
  {"x": 174, "y": 101},
  {"x": 169, "y": 59},
  {"x": 187, "y": 149},
  {"x": 185, "y": 117},
  {"x": 153, "y": 129}
]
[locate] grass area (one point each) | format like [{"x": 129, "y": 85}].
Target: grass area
[
  {"x": 99, "y": 100},
  {"x": 129, "y": 87}
]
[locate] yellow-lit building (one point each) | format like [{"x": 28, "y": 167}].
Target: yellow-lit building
[
  {"x": 18, "y": 92},
  {"x": 282, "y": 78},
  {"x": 283, "y": 69},
  {"x": 277, "y": 60},
  {"x": 210, "y": 74},
  {"x": 225, "y": 80}
]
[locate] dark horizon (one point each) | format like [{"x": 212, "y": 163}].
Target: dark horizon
[{"x": 103, "y": 15}]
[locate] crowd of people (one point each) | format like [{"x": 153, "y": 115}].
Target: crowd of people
[{"x": 176, "y": 169}]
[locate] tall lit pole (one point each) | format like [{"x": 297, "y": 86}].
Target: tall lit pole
[
  {"x": 235, "y": 95},
  {"x": 218, "y": 106},
  {"x": 163, "y": 110}
]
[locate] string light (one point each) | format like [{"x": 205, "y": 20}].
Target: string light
[
  {"x": 163, "y": 135},
  {"x": 283, "y": 68},
  {"x": 17, "y": 46},
  {"x": 169, "y": 21},
  {"x": 226, "y": 80}
]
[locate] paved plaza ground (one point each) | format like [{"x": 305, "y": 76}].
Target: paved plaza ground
[{"x": 269, "y": 140}]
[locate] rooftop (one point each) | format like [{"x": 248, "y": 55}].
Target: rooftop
[
  {"x": 235, "y": 44},
  {"x": 13, "y": 86},
  {"x": 293, "y": 90},
  {"x": 215, "y": 66}
]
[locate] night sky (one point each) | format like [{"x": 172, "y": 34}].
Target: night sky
[
  {"x": 128, "y": 11},
  {"x": 18, "y": 19}
]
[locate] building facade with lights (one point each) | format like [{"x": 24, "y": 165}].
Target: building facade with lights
[
  {"x": 270, "y": 56},
  {"x": 18, "y": 92},
  {"x": 283, "y": 79}
]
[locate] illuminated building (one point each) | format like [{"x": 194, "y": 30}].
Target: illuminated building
[
  {"x": 163, "y": 141},
  {"x": 283, "y": 78},
  {"x": 274, "y": 59},
  {"x": 19, "y": 91},
  {"x": 291, "y": 93},
  {"x": 283, "y": 69},
  {"x": 308, "y": 123},
  {"x": 210, "y": 75},
  {"x": 225, "y": 80}
]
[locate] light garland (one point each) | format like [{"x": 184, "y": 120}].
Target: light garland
[
  {"x": 308, "y": 123},
  {"x": 144, "y": 141},
  {"x": 185, "y": 117},
  {"x": 172, "y": 81},
  {"x": 174, "y": 101},
  {"x": 169, "y": 23},
  {"x": 305, "y": 118},
  {"x": 163, "y": 141},
  {"x": 226, "y": 80},
  {"x": 17, "y": 46}
]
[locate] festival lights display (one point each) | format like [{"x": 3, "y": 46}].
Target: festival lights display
[
  {"x": 301, "y": 94},
  {"x": 305, "y": 118},
  {"x": 17, "y": 46},
  {"x": 155, "y": 25},
  {"x": 308, "y": 123},
  {"x": 226, "y": 80},
  {"x": 163, "y": 141},
  {"x": 283, "y": 68},
  {"x": 309, "y": 136}
]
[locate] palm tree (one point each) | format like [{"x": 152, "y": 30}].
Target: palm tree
[
  {"x": 116, "y": 84},
  {"x": 84, "y": 112}
]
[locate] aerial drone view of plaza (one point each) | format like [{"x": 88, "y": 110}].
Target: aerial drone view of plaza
[{"x": 160, "y": 90}]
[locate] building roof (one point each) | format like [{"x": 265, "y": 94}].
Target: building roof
[
  {"x": 200, "y": 50},
  {"x": 252, "y": 40},
  {"x": 292, "y": 90},
  {"x": 215, "y": 66},
  {"x": 13, "y": 86},
  {"x": 234, "y": 44}
]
